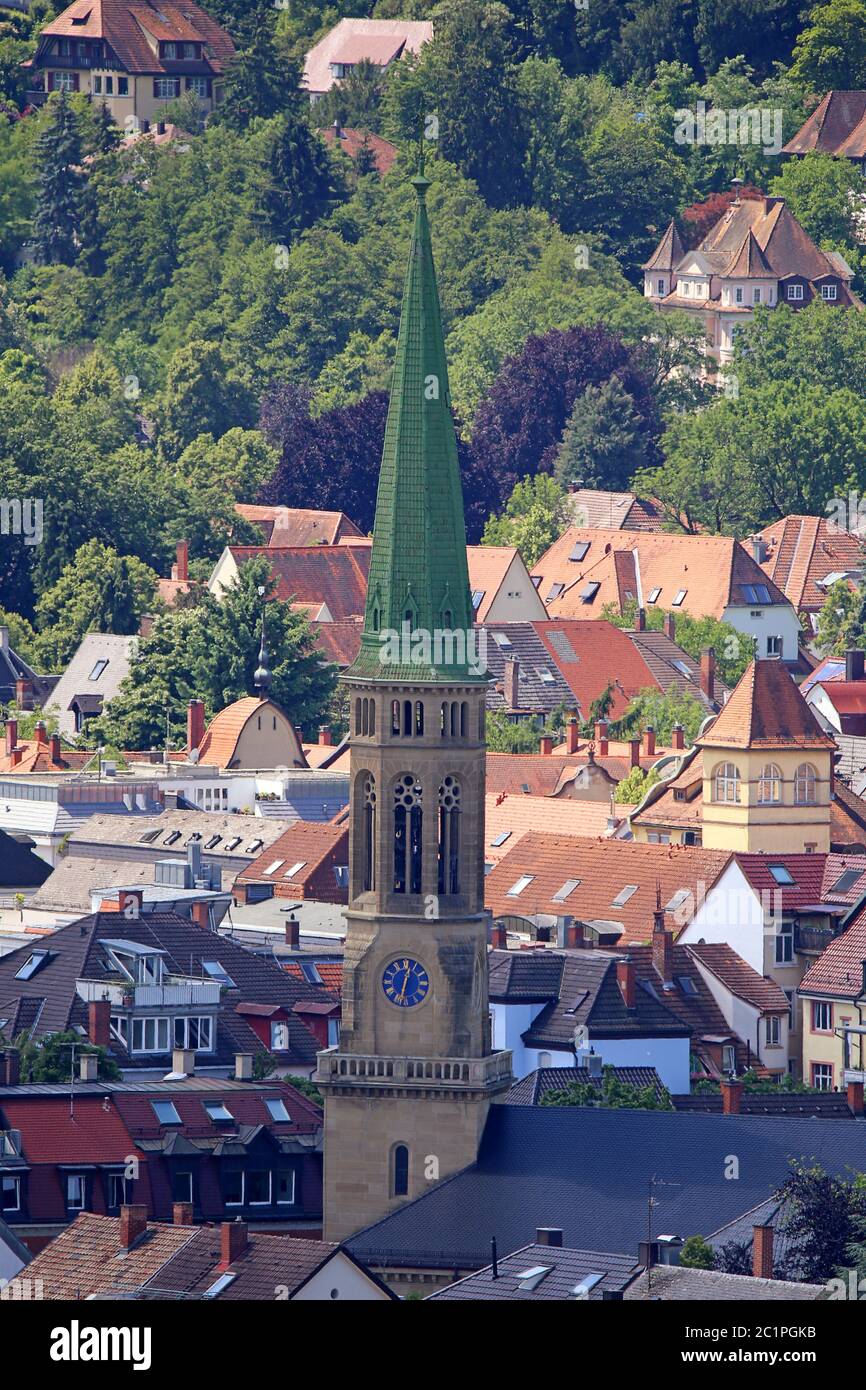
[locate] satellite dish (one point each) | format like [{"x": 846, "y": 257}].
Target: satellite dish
[
  {"x": 194, "y": 755},
  {"x": 580, "y": 1036}
]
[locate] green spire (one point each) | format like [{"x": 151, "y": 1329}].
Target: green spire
[{"x": 418, "y": 570}]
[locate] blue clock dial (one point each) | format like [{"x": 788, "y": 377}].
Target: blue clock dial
[{"x": 405, "y": 982}]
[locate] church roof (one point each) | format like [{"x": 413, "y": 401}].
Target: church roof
[
  {"x": 766, "y": 710},
  {"x": 418, "y": 566}
]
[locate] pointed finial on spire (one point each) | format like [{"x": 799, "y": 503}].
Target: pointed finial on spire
[
  {"x": 420, "y": 182},
  {"x": 262, "y": 675}
]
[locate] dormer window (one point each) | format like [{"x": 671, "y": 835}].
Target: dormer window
[
  {"x": 738, "y": 294},
  {"x": 795, "y": 292},
  {"x": 828, "y": 292}
]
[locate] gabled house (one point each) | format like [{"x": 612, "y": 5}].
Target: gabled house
[
  {"x": 90, "y": 681},
  {"x": 291, "y": 526},
  {"x": 251, "y": 733},
  {"x": 218, "y": 1149},
  {"x": 133, "y": 56},
  {"x": 128, "y": 1256},
  {"x": 352, "y": 41},
  {"x": 831, "y": 996},
  {"x": 804, "y": 556},
  {"x": 587, "y": 569},
  {"x": 613, "y": 511},
  {"x": 837, "y": 126},
  {"x": 143, "y": 984},
  {"x": 18, "y": 681},
  {"x": 309, "y": 860},
  {"x": 353, "y": 142},
  {"x": 756, "y": 255}
]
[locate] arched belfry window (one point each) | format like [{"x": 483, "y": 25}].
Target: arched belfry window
[
  {"x": 408, "y": 819},
  {"x": 449, "y": 836},
  {"x": 804, "y": 785},
  {"x": 769, "y": 785},
  {"x": 368, "y": 831}
]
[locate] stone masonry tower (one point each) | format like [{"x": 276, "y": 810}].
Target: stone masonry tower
[{"x": 408, "y": 1088}]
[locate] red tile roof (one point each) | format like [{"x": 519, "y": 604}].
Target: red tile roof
[
  {"x": 815, "y": 878},
  {"x": 290, "y": 526},
  {"x": 57, "y": 1132},
  {"x": 331, "y": 972},
  {"x": 836, "y": 126},
  {"x": 604, "y": 868},
  {"x": 85, "y": 1258},
  {"x": 801, "y": 551},
  {"x": 219, "y": 745},
  {"x": 838, "y": 972},
  {"x": 308, "y": 843},
  {"x": 335, "y": 575},
  {"x": 125, "y": 25},
  {"x": 352, "y": 40},
  {"x": 766, "y": 710},
  {"x": 739, "y": 977},
  {"x": 351, "y": 142}
]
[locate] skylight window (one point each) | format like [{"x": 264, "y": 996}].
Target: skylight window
[
  {"x": 567, "y": 888},
  {"x": 254, "y": 846},
  {"x": 478, "y": 598},
  {"x": 649, "y": 988},
  {"x": 219, "y": 1112},
  {"x": 589, "y": 591},
  {"x": 219, "y": 1285},
  {"x": 531, "y": 1278},
  {"x": 586, "y": 1285},
  {"x": 172, "y": 837},
  {"x": 624, "y": 894},
  {"x": 500, "y": 838},
  {"x": 653, "y": 596},
  {"x": 678, "y": 597},
  {"x": 545, "y": 675},
  {"x": 679, "y": 897},
  {"x": 781, "y": 875},
  {"x": 846, "y": 880},
  {"x": 310, "y": 972},
  {"x": 216, "y": 972},
  {"x": 34, "y": 963},
  {"x": 501, "y": 639},
  {"x": 295, "y": 869},
  {"x": 682, "y": 668},
  {"x": 232, "y": 844},
  {"x": 148, "y": 837},
  {"x": 687, "y": 985},
  {"x": 277, "y": 1109},
  {"x": 517, "y": 888},
  {"x": 212, "y": 842},
  {"x": 98, "y": 669},
  {"x": 165, "y": 1112},
  {"x": 555, "y": 591},
  {"x": 272, "y": 868},
  {"x": 579, "y": 551}
]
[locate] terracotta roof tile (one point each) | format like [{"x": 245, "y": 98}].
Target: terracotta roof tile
[
  {"x": 308, "y": 843},
  {"x": 125, "y": 26},
  {"x": 291, "y": 526},
  {"x": 352, "y": 142},
  {"x": 514, "y": 816},
  {"x": 739, "y": 977},
  {"x": 766, "y": 710},
  {"x": 335, "y": 575},
  {"x": 85, "y": 1258},
  {"x": 802, "y": 551},
  {"x": 839, "y": 970}
]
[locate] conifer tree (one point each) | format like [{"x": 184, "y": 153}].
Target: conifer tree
[{"x": 58, "y": 204}]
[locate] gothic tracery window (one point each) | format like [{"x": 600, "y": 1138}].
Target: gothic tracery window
[
  {"x": 449, "y": 836},
  {"x": 408, "y": 822}
]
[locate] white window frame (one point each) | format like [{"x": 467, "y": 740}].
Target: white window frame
[
  {"x": 15, "y": 1181},
  {"x": 79, "y": 1181},
  {"x": 829, "y": 293},
  {"x": 794, "y": 292},
  {"x": 151, "y": 1024},
  {"x": 205, "y": 1026},
  {"x": 773, "y": 1030},
  {"x": 286, "y": 1173},
  {"x": 784, "y": 944},
  {"x": 726, "y": 784}
]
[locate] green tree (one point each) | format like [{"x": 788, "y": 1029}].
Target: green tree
[
  {"x": 236, "y": 465},
  {"x": 733, "y": 650},
  {"x": 661, "y": 710},
  {"x": 260, "y": 80},
  {"x": 697, "y": 1253},
  {"x": 842, "y": 619},
  {"x": 302, "y": 180},
  {"x": 602, "y": 446},
  {"x": 201, "y": 396},
  {"x": 354, "y": 101},
  {"x": 831, "y": 51},
  {"x": 613, "y": 1094},
  {"x": 632, "y": 787},
  {"x": 57, "y": 213},
  {"x": 99, "y": 591},
  {"x": 534, "y": 517},
  {"x": 820, "y": 1212},
  {"x": 149, "y": 710},
  {"x": 55, "y": 1058},
  {"x": 825, "y": 195}
]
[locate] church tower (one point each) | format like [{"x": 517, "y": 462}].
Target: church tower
[{"x": 408, "y": 1088}]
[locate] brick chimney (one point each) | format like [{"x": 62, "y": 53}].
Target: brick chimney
[
  {"x": 54, "y": 747},
  {"x": 200, "y": 914},
  {"x": 326, "y": 738},
  {"x": 510, "y": 682},
  {"x": 854, "y": 1095},
  {"x": 601, "y": 742},
  {"x": 762, "y": 1252},
  {"x": 133, "y": 1224},
  {"x": 640, "y": 620},
  {"x": 499, "y": 937},
  {"x": 708, "y": 672},
  {"x": 24, "y": 694},
  {"x": 40, "y": 733},
  {"x": 243, "y": 1066},
  {"x": 625, "y": 978},
  {"x": 649, "y": 741},
  {"x": 194, "y": 723},
  {"x": 11, "y": 736},
  {"x": 10, "y": 1066},
  {"x": 89, "y": 1063},
  {"x": 181, "y": 1214},
  {"x": 663, "y": 948},
  {"x": 732, "y": 1095},
  {"x": 634, "y": 752},
  {"x": 99, "y": 1022},
  {"x": 574, "y": 936},
  {"x": 181, "y": 566},
  {"x": 293, "y": 933},
  {"x": 233, "y": 1241},
  {"x": 548, "y": 1235},
  {"x": 545, "y": 744},
  {"x": 572, "y": 736},
  {"x": 671, "y": 626},
  {"x": 678, "y": 736}
]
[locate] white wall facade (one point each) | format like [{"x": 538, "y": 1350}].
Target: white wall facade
[{"x": 769, "y": 620}]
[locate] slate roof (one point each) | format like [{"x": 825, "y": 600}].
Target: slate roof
[
  {"x": 78, "y": 678},
  {"x": 826, "y": 1105},
  {"x": 75, "y": 953},
  {"x": 19, "y": 866},
  {"x": 530, "y": 1089},
  {"x": 766, "y": 710},
  {"x": 566, "y": 1270},
  {"x": 669, "y": 251},
  {"x": 836, "y": 126},
  {"x": 801, "y": 551},
  {"x": 586, "y": 1170},
  {"x": 537, "y": 693},
  {"x": 695, "y": 1007},
  {"x": 605, "y": 869}
]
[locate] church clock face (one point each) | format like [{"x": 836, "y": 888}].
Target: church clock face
[{"x": 405, "y": 982}]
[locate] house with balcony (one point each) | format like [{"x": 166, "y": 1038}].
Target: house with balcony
[
  {"x": 133, "y": 57},
  {"x": 144, "y": 985},
  {"x": 757, "y": 255}
]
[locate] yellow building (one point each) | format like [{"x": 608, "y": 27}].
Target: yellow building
[
  {"x": 833, "y": 1001},
  {"x": 767, "y": 769}
]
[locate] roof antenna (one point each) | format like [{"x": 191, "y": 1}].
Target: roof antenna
[{"x": 493, "y": 1259}]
